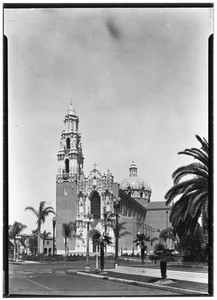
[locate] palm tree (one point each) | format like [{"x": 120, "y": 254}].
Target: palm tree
[
  {"x": 103, "y": 241},
  {"x": 163, "y": 254},
  {"x": 108, "y": 219},
  {"x": 41, "y": 215},
  {"x": 68, "y": 231},
  {"x": 121, "y": 229},
  {"x": 140, "y": 240},
  {"x": 192, "y": 192},
  {"x": 14, "y": 231}
]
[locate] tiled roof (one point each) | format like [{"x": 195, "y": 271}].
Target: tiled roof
[
  {"x": 123, "y": 195},
  {"x": 159, "y": 205}
]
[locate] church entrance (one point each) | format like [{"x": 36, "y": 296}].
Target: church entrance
[{"x": 95, "y": 240}]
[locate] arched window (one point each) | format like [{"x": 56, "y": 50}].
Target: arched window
[
  {"x": 66, "y": 166},
  {"x": 68, "y": 143},
  {"x": 95, "y": 205}
]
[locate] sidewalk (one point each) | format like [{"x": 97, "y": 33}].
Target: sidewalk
[
  {"x": 180, "y": 288},
  {"x": 178, "y": 275}
]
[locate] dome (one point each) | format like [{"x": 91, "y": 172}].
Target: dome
[{"x": 133, "y": 181}]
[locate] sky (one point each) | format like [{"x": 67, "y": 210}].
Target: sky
[{"x": 137, "y": 78}]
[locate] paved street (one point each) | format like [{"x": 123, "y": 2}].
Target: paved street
[{"x": 50, "y": 279}]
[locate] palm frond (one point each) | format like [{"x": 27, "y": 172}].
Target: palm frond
[
  {"x": 192, "y": 169},
  {"x": 32, "y": 209},
  {"x": 68, "y": 229},
  {"x": 16, "y": 228}
]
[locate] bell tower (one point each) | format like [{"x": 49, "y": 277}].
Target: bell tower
[
  {"x": 70, "y": 157},
  {"x": 69, "y": 173}
]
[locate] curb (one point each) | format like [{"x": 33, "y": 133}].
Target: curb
[{"x": 137, "y": 283}]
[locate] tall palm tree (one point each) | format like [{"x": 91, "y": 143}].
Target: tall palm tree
[
  {"x": 192, "y": 192},
  {"x": 120, "y": 230},
  {"x": 14, "y": 231},
  {"x": 41, "y": 215},
  {"x": 103, "y": 241},
  {"x": 108, "y": 219},
  {"x": 68, "y": 231},
  {"x": 140, "y": 241}
]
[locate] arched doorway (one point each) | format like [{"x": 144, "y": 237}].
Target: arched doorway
[{"x": 95, "y": 205}]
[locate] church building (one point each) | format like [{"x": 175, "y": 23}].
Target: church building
[{"x": 78, "y": 196}]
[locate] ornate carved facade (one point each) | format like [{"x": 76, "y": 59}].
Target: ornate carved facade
[{"x": 78, "y": 195}]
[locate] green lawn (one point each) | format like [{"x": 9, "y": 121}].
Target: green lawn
[
  {"x": 151, "y": 265},
  {"x": 194, "y": 286}
]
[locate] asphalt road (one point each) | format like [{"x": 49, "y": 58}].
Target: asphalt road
[{"x": 50, "y": 279}]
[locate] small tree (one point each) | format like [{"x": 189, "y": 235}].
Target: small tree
[
  {"x": 140, "y": 241},
  {"x": 163, "y": 254},
  {"x": 68, "y": 231},
  {"x": 102, "y": 242},
  {"x": 14, "y": 231}
]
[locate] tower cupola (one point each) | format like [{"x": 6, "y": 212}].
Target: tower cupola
[{"x": 133, "y": 170}]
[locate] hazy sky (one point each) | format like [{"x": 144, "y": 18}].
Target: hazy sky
[{"x": 138, "y": 81}]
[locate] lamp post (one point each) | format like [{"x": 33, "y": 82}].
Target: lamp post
[
  {"x": 116, "y": 202},
  {"x": 54, "y": 225},
  {"x": 88, "y": 219},
  {"x": 166, "y": 219}
]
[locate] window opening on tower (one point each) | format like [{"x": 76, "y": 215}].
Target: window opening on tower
[
  {"x": 68, "y": 143},
  {"x": 67, "y": 166}
]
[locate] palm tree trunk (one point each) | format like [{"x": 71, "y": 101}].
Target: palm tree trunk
[
  {"x": 101, "y": 256},
  {"x": 65, "y": 247},
  {"x": 142, "y": 255},
  {"x": 14, "y": 248},
  {"x": 39, "y": 232},
  {"x": 163, "y": 268}
]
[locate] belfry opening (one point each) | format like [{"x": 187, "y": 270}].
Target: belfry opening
[
  {"x": 68, "y": 143},
  {"x": 66, "y": 166}
]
